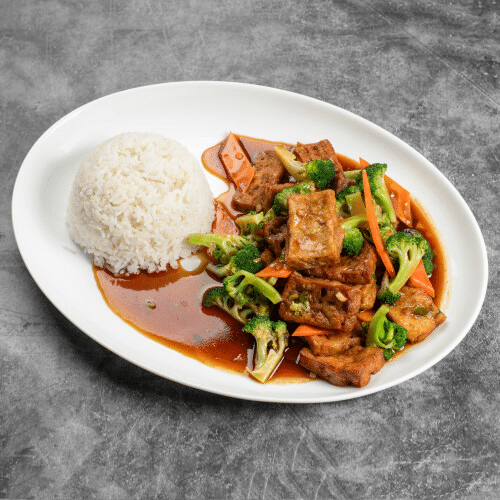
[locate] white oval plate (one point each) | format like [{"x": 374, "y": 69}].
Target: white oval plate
[{"x": 200, "y": 114}]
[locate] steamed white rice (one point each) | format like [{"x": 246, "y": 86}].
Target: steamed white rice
[{"x": 134, "y": 201}]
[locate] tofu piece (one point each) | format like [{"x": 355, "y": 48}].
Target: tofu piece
[
  {"x": 275, "y": 234},
  {"x": 269, "y": 173},
  {"x": 323, "y": 150},
  {"x": 354, "y": 366},
  {"x": 314, "y": 233},
  {"x": 408, "y": 313},
  {"x": 359, "y": 269},
  {"x": 327, "y": 345},
  {"x": 368, "y": 295},
  {"x": 323, "y": 303}
]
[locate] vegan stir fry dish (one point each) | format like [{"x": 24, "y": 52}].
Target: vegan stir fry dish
[
  {"x": 326, "y": 252},
  {"x": 317, "y": 266}
]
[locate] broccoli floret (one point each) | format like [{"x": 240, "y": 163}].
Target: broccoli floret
[
  {"x": 353, "y": 237},
  {"x": 247, "y": 259},
  {"x": 386, "y": 227},
  {"x": 407, "y": 250},
  {"x": 375, "y": 173},
  {"x": 271, "y": 340},
  {"x": 342, "y": 198},
  {"x": 299, "y": 303},
  {"x": 428, "y": 257},
  {"x": 321, "y": 172},
  {"x": 244, "y": 287},
  {"x": 353, "y": 242},
  {"x": 224, "y": 246},
  {"x": 385, "y": 334},
  {"x": 250, "y": 223},
  {"x": 280, "y": 204},
  {"x": 219, "y": 297}
]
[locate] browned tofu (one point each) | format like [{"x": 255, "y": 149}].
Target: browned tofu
[
  {"x": 314, "y": 233},
  {"x": 323, "y": 150},
  {"x": 368, "y": 294},
  {"x": 275, "y": 233},
  {"x": 268, "y": 173},
  {"x": 354, "y": 366},
  {"x": 326, "y": 345},
  {"x": 357, "y": 269},
  {"x": 416, "y": 311},
  {"x": 323, "y": 303}
]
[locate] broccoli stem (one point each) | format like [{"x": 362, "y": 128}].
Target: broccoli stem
[
  {"x": 271, "y": 340},
  {"x": 385, "y": 334},
  {"x": 265, "y": 370},
  {"x": 354, "y": 221},
  {"x": 407, "y": 264},
  {"x": 376, "y": 173},
  {"x": 208, "y": 239},
  {"x": 295, "y": 168},
  {"x": 352, "y": 175},
  {"x": 384, "y": 199},
  {"x": 376, "y": 328},
  {"x": 236, "y": 287},
  {"x": 224, "y": 246}
]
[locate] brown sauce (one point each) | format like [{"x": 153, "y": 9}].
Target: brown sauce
[
  {"x": 167, "y": 306},
  {"x": 439, "y": 278}
]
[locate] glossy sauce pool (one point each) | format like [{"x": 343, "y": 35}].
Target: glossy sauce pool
[{"x": 167, "y": 306}]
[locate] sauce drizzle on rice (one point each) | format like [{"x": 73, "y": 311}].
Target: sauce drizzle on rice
[{"x": 134, "y": 200}]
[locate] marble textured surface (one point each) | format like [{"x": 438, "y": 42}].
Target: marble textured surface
[{"x": 78, "y": 422}]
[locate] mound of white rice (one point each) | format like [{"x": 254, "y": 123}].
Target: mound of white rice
[{"x": 134, "y": 201}]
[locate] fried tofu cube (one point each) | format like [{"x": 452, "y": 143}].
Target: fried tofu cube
[
  {"x": 328, "y": 345},
  {"x": 355, "y": 366},
  {"x": 314, "y": 233},
  {"x": 358, "y": 269},
  {"x": 323, "y": 303},
  {"x": 416, "y": 312}
]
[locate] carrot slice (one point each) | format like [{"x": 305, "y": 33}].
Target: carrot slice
[
  {"x": 235, "y": 161},
  {"x": 223, "y": 223},
  {"x": 308, "y": 330},
  {"x": 374, "y": 229},
  {"x": 274, "y": 271},
  {"x": 403, "y": 201},
  {"x": 419, "y": 279},
  {"x": 363, "y": 163}
]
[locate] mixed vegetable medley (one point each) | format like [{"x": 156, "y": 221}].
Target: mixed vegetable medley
[{"x": 322, "y": 253}]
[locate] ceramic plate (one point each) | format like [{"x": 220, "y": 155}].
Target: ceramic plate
[{"x": 200, "y": 114}]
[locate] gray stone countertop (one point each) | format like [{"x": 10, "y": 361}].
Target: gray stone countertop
[{"x": 76, "y": 421}]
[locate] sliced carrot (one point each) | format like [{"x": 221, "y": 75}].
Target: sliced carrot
[
  {"x": 223, "y": 222},
  {"x": 235, "y": 161},
  {"x": 274, "y": 270},
  {"x": 363, "y": 163},
  {"x": 403, "y": 201},
  {"x": 374, "y": 229},
  {"x": 347, "y": 163},
  {"x": 309, "y": 330},
  {"x": 419, "y": 279}
]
